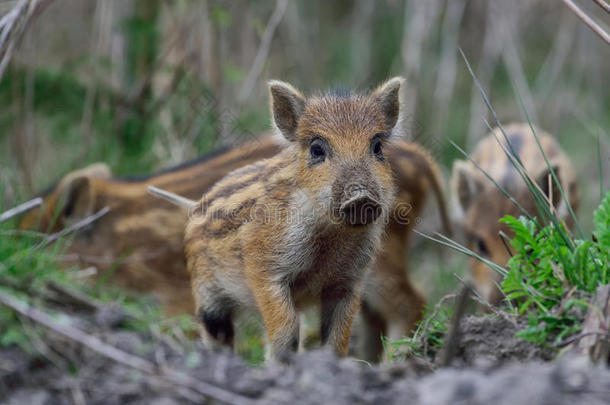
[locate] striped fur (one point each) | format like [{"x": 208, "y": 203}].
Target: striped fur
[
  {"x": 481, "y": 204},
  {"x": 141, "y": 239},
  {"x": 301, "y": 228}
]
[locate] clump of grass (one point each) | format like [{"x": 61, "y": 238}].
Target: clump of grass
[
  {"x": 26, "y": 268},
  {"x": 23, "y": 268},
  {"x": 428, "y": 338},
  {"x": 551, "y": 280},
  {"x": 552, "y": 275}
]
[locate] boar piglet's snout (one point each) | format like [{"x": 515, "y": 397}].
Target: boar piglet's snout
[
  {"x": 357, "y": 197},
  {"x": 361, "y": 209}
]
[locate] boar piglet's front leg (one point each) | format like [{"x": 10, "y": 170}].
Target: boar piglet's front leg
[
  {"x": 339, "y": 307},
  {"x": 279, "y": 314}
]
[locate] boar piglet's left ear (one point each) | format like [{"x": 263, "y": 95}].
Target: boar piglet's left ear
[{"x": 388, "y": 96}]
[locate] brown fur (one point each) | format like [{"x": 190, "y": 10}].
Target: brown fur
[
  {"x": 141, "y": 234},
  {"x": 146, "y": 233},
  {"x": 392, "y": 305},
  {"x": 301, "y": 228},
  {"x": 482, "y": 204}
]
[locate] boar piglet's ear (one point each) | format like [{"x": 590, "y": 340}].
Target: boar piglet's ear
[
  {"x": 287, "y": 105},
  {"x": 77, "y": 193},
  {"x": 547, "y": 184},
  {"x": 465, "y": 184},
  {"x": 388, "y": 96}
]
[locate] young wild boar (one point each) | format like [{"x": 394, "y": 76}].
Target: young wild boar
[
  {"x": 482, "y": 204},
  {"x": 140, "y": 241},
  {"x": 301, "y": 228}
]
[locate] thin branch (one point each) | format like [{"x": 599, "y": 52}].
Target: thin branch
[
  {"x": 263, "y": 49},
  {"x": 110, "y": 352},
  {"x": 603, "y": 5},
  {"x": 20, "y": 209},
  {"x": 12, "y": 27},
  {"x": 588, "y": 21},
  {"x": 453, "y": 335},
  {"x": 39, "y": 344},
  {"x": 475, "y": 295},
  {"x": 73, "y": 297},
  {"x": 74, "y": 227}
]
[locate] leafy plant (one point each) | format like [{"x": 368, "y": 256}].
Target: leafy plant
[{"x": 550, "y": 279}]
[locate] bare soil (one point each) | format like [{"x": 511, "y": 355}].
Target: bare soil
[{"x": 492, "y": 366}]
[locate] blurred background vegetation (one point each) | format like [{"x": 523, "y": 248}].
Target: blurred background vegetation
[{"x": 146, "y": 84}]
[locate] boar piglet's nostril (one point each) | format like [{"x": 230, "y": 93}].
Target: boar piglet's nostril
[{"x": 360, "y": 210}]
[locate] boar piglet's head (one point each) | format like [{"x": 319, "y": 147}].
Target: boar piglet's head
[{"x": 340, "y": 138}]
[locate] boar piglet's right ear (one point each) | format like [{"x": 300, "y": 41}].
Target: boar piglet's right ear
[{"x": 287, "y": 105}]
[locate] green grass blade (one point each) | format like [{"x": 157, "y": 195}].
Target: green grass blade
[
  {"x": 546, "y": 160},
  {"x": 599, "y": 168},
  {"x": 502, "y": 190}
]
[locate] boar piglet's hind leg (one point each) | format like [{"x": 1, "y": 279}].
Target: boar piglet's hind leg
[{"x": 215, "y": 311}]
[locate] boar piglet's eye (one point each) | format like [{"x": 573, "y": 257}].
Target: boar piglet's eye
[
  {"x": 318, "y": 150},
  {"x": 376, "y": 146},
  {"x": 482, "y": 247}
]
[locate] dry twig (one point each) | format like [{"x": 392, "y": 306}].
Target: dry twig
[
  {"x": 263, "y": 50},
  {"x": 20, "y": 209},
  {"x": 12, "y": 27},
  {"x": 453, "y": 335},
  {"x": 476, "y": 296},
  {"x": 590, "y": 22},
  {"x": 145, "y": 366},
  {"x": 74, "y": 228},
  {"x": 594, "y": 340}
]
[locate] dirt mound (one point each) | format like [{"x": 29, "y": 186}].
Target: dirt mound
[
  {"x": 81, "y": 376},
  {"x": 571, "y": 380},
  {"x": 318, "y": 378},
  {"x": 491, "y": 340}
]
